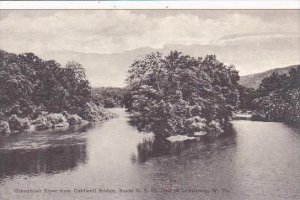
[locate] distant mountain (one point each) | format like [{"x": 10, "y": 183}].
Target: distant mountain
[
  {"x": 107, "y": 70},
  {"x": 110, "y": 69},
  {"x": 253, "y": 80}
]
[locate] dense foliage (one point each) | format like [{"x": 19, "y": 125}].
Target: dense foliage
[
  {"x": 179, "y": 94},
  {"x": 279, "y": 97},
  {"x": 43, "y": 94},
  {"x": 109, "y": 97},
  {"x": 246, "y": 97},
  {"x": 29, "y": 84}
]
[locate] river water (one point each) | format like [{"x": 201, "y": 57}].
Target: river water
[{"x": 112, "y": 160}]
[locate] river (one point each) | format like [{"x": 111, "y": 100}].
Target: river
[{"x": 257, "y": 160}]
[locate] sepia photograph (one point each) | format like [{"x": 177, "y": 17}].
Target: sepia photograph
[{"x": 150, "y": 104}]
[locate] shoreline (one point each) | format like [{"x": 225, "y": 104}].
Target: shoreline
[{"x": 14, "y": 125}]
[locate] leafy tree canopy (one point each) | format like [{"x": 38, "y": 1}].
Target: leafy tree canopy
[
  {"x": 279, "y": 97},
  {"x": 179, "y": 94},
  {"x": 30, "y": 84}
]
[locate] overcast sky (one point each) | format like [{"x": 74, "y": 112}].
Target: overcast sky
[{"x": 253, "y": 33}]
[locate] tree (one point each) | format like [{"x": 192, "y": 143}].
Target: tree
[
  {"x": 179, "y": 94},
  {"x": 109, "y": 97},
  {"x": 29, "y": 83},
  {"x": 279, "y": 97},
  {"x": 246, "y": 97},
  {"x": 272, "y": 83}
]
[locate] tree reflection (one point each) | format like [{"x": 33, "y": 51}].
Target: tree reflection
[
  {"x": 36, "y": 161},
  {"x": 156, "y": 147},
  {"x": 207, "y": 146}
]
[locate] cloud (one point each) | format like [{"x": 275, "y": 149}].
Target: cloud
[
  {"x": 100, "y": 31},
  {"x": 253, "y": 40},
  {"x": 257, "y": 35}
]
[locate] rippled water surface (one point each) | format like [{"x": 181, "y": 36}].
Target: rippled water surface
[{"x": 257, "y": 160}]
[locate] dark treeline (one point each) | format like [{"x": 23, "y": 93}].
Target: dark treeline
[
  {"x": 175, "y": 94},
  {"x": 29, "y": 84},
  {"x": 278, "y": 97},
  {"x": 179, "y": 94},
  {"x": 31, "y": 87},
  {"x": 109, "y": 97},
  {"x": 246, "y": 97}
]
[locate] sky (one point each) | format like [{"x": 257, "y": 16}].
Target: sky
[{"x": 252, "y": 40}]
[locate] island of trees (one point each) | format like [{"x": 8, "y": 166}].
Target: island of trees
[
  {"x": 181, "y": 95},
  {"x": 44, "y": 94}
]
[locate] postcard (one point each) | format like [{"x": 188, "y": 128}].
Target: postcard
[{"x": 144, "y": 104}]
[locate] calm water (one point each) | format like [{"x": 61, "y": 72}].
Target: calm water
[{"x": 257, "y": 160}]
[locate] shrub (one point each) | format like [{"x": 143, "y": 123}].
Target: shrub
[
  {"x": 18, "y": 124},
  {"x": 74, "y": 119},
  {"x": 51, "y": 120},
  {"x": 94, "y": 113},
  {"x": 4, "y": 128}
]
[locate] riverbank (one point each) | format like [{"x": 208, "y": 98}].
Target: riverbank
[
  {"x": 242, "y": 115},
  {"x": 238, "y": 115},
  {"x": 45, "y": 120}
]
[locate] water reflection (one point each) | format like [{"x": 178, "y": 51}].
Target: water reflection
[
  {"x": 48, "y": 152},
  {"x": 37, "y": 161},
  {"x": 157, "y": 147}
]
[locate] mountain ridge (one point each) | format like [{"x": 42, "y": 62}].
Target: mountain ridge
[
  {"x": 253, "y": 80},
  {"x": 100, "y": 66}
]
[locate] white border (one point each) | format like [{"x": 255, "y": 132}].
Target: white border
[{"x": 202, "y": 4}]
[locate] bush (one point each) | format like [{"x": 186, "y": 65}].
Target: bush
[
  {"x": 4, "y": 128},
  {"x": 50, "y": 121},
  {"x": 74, "y": 119},
  {"x": 56, "y": 118},
  {"x": 18, "y": 124},
  {"x": 92, "y": 112}
]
